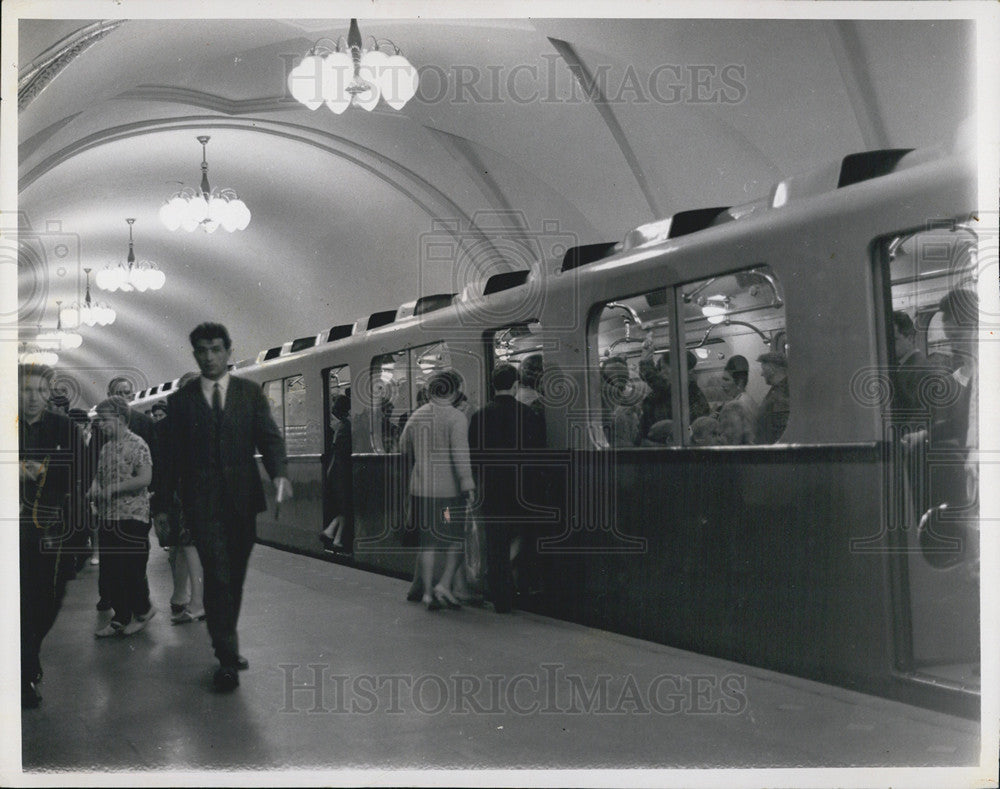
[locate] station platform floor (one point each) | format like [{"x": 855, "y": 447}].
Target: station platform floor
[{"x": 344, "y": 673}]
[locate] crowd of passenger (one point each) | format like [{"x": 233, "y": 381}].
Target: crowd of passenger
[
  {"x": 92, "y": 488},
  {"x": 639, "y": 411}
]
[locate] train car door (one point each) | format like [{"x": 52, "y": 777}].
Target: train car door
[
  {"x": 929, "y": 321},
  {"x": 336, "y": 471}
]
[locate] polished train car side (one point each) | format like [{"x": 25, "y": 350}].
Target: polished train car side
[{"x": 799, "y": 552}]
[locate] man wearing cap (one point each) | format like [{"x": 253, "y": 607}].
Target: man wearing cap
[{"x": 773, "y": 415}]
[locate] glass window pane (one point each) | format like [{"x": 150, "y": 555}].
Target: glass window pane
[
  {"x": 274, "y": 392},
  {"x": 427, "y": 360},
  {"x": 633, "y": 345},
  {"x": 520, "y": 345},
  {"x": 736, "y": 365},
  {"x": 296, "y": 418},
  {"x": 390, "y": 399}
]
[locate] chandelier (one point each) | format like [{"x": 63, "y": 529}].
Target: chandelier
[
  {"x": 140, "y": 276},
  {"x": 205, "y": 207},
  {"x": 351, "y": 75},
  {"x": 32, "y": 354},
  {"x": 89, "y": 313},
  {"x": 58, "y": 339}
]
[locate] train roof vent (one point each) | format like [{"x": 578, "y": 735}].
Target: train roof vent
[
  {"x": 272, "y": 353},
  {"x": 852, "y": 169},
  {"x": 406, "y": 310},
  {"x": 505, "y": 281},
  {"x": 858, "y": 167},
  {"x": 379, "y": 319},
  {"x": 339, "y": 332},
  {"x": 302, "y": 343},
  {"x": 743, "y": 210},
  {"x": 433, "y": 302},
  {"x": 587, "y": 253},
  {"x": 680, "y": 224}
]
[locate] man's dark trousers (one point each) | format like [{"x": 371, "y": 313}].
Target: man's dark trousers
[{"x": 224, "y": 549}]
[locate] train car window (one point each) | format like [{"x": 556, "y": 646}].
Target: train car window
[
  {"x": 633, "y": 346},
  {"x": 274, "y": 392},
  {"x": 736, "y": 373},
  {"x": 520, "y": 345},
  {"x": 425, "y": 361},
  {"x": 390, "y": 398},
  {"x": 338, "y": 383},
  {"x": 296, "y": 416}
]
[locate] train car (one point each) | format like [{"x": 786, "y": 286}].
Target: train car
[{"x": 832, "y": 538}]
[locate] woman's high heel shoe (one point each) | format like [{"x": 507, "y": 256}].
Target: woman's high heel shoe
[
  {"x": 444, "y": 597},
  {"x": 431, "y": 603}
]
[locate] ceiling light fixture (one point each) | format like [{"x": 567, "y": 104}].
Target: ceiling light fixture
[
  {"x": 204, "y": 207},
  {"x": 140, "y": 276},
  {"x": 715, "y": 309},
  {"x": 32, "y": 354},
  {"x": 89, "y": 313},
  {"x": 59, "y": 339},
  {"x": 349, "y": 75}
]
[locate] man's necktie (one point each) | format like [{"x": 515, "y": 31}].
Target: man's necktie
[{"x": 217, "y": 404}]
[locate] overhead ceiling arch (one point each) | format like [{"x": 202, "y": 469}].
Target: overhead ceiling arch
[{"x": 327, "y": 142}]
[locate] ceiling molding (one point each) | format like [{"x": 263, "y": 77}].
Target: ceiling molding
[
  {"x": 464, "y": 152},
  {"x": 27, "y": 148},
  {"x": 597, "y": 98},
  {"x": 849, "y": 55},
  {"x": 47, "y": 66},
  {"x": 169, "y": 94}
]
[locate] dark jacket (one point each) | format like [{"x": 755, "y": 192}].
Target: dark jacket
[
  {"x": 56, "y": 443},
  {"x": 191, "y": 441},
  {"x": 772, "y": 418},
  {"x": 502, "y": 435},
  {"x": 338, "y": 474}
]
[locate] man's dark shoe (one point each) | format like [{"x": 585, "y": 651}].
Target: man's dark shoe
[
  {"x": 226, "y": 679},
  {"x": 242, "y": 663}
]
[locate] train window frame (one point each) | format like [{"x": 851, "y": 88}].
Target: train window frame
[
  {"x": 716, "y": 311},
  {"x": 531, "y": 327},
  {"x": 277, "y": 405},
  {"x": 344, "y": 386},
  {"x": 601, "y": 430},
  {"x": 376, "y": 425},
  {"x": 294, "y": 433},
  {"x": 411, "y": 354},
  {"x": 675, "y": 298}
]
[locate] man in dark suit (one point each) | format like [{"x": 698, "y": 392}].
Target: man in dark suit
[
  {"x": 911, "y": 370},
  {"x": 50, "y": 453},
  {"x": 499, "y": 434},
  {"x": 217, "y": 422}
]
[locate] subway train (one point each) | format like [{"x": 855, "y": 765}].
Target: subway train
[{"x": 841, "y": 548}]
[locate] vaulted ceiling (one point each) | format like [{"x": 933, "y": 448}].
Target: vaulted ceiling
[{"x": 572, "y": 128}]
